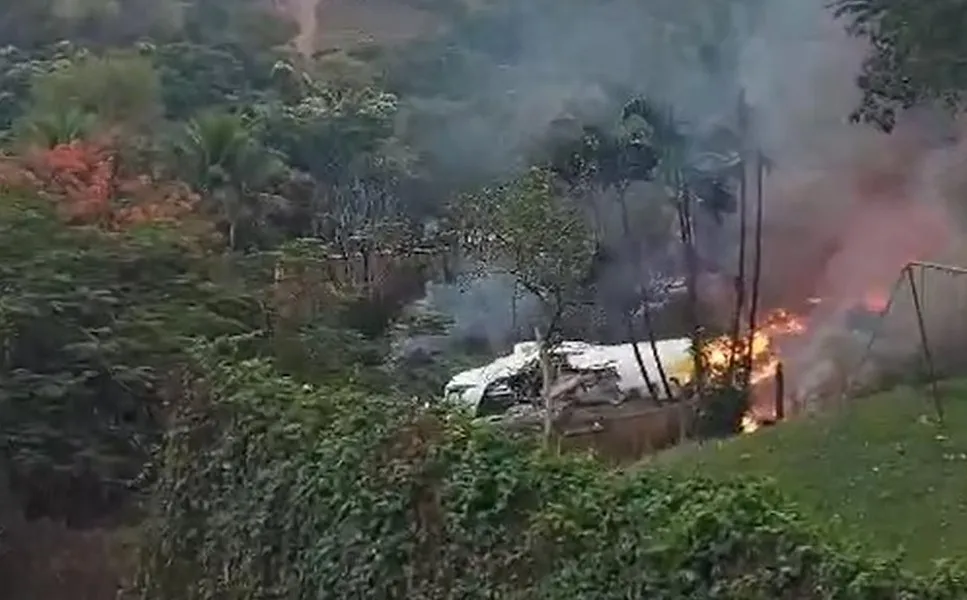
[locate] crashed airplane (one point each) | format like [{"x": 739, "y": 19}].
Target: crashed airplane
[{"x": 600, "y": 374}]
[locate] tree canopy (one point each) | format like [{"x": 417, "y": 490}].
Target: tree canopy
[{"x": 916, "y": 55}]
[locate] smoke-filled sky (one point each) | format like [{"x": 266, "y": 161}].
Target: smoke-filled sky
[{"x": 549, "y": 58}]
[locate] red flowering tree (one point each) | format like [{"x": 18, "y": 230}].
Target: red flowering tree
[{"x": 84, "y": 179}]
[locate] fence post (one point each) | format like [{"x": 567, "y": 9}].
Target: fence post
[{"x": 780, "y": 393}]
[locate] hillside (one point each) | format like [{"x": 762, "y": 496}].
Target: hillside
[
  {"x": 879, "y": 473},
  {"x": 345, "y": 23},
  {"x": 327, "y": 25}
]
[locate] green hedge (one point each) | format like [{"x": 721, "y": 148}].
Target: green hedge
[{"x": 269, "y": 489}]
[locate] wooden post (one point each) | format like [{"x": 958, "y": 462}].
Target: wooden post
[{"x": 780, "y": 394}]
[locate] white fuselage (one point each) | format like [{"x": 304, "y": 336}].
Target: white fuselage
[{"x": 469, "y": 387}]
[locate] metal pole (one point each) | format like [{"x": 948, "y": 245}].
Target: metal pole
[
  {"x": 934, "y": 388},
  {"x": 938, "y": 267}
]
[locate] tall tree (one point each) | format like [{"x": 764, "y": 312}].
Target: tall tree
[
  {"x": 222, "y": 158},
  {"x": 91, "y": 322},
  {"x": 594, "y": 161},
  {"x": 538, "y": 235}
]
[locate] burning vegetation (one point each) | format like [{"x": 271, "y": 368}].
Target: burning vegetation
[{"x": 756, "y": 356}]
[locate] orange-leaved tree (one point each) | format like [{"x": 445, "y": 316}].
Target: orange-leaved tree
[{"x": 83, "y": 177}]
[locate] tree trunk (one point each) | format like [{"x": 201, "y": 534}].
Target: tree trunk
[
  {"x": 691, "y": 265},
  {"x": 232, "y": 234},
  {"x": 317, "y": 205},
  {"x": 639, "y": 359},
  {"x": 629, "y": 324},
  {"x": 743, "y": 227},
  {"x": 757, "y": 259},
  {"x": 365, "y": 259},
  {"x": 662, "y": 375},
  {"x": 513, "y": 312},
  {"x": 547, "y": 378}
]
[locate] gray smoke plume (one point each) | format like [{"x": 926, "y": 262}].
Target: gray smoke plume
[
  {"x": 846, "y": 206},
  {"x": 567, "y": 57},
  {"x": 485, "y": 308}
]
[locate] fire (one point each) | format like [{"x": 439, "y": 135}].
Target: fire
[
  {"x": 876, "y": 301},
  {"x": 720, "y": 352},
  {"x": 749, "y": 423}
]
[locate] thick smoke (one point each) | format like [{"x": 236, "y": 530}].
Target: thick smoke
[
  {"x": 546, "y": 59},
  {"x": 577, "y": 59},
  {"x": 484, "y": 309},
  {"x": 846, "y": 207}
]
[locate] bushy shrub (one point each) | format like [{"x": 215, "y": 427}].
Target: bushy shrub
[
  {"x": 272, "y": 489},
  {"x": 91, "y": 324}
]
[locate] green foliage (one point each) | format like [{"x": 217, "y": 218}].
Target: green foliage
[
  {"x": 97, "y": 22},
  {"x": 535, "y": 233},
  {"x": 91, "y": 325},
  {"x": 335, "y": 134},
  {"x": 720, "y": 414},
  {"x": 221, "y": 157},
  {"x": 248, "y": 26},
  {"x": 198, "y": 77},
  {"x": 272, "y": 488},
  {"x": 51, "y": 129},
  {"x": 118, "y": 90},
  {"x": 113, "y": 23},
  {"x": 344, "y": 140},
  {"x": 20, "y": 69},
  {"x": 916, "y": 55},
  {"x": 206, "y": 53}
]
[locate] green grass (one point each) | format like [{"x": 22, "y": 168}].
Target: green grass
[{"x": 880, "y": 473}]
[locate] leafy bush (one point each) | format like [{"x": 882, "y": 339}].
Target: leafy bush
[
  {"x": 270, "y": 488},
  {"x": 90, "y": 324},
  {"x": 720, "y": 414}
]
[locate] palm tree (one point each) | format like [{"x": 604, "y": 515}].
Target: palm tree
[
  {"x": 222, "y": 158},
  {"x": 660, "y": 132},
  {"x": 50, "y": 129},
  {"x": 696, "y": 173}
]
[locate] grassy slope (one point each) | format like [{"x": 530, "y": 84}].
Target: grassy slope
[{"x": 879, "y": 473}]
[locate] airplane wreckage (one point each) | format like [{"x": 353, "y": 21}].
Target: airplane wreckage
[{"x": 588, "y": 374}]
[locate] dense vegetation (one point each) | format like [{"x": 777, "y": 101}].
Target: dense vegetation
[
  {"x": 212, "y": 248},
  {"x": 321, "y": 492}
]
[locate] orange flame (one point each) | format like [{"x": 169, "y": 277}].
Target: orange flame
[
  {"x": 876, "y": 301},
  {"x": 720, "y": 352}
]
